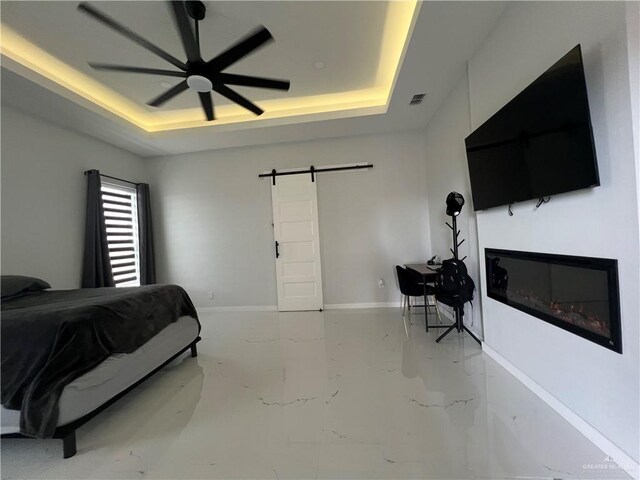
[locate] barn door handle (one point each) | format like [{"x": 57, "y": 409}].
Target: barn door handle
[{"x": 277, "y": 252}]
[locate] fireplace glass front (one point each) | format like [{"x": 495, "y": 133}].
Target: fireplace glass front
[{"x": 578, "y": 294}]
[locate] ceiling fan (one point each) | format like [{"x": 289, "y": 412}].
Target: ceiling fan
[{"x": 198, "y": 75}]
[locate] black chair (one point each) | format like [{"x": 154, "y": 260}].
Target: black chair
[{"x": 411, "y": 285}]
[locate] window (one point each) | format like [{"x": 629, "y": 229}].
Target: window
[{"x": 121, "y": 215}]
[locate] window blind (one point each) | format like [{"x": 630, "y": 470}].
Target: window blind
[{"x": 121, "y": 215}]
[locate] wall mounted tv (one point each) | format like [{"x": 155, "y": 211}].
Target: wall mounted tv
[{"x": 539, "y": 144}]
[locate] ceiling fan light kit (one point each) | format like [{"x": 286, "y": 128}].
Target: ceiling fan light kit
[
  {"x": 199, "y": 83},
  {"x": 199, "y": 75}
]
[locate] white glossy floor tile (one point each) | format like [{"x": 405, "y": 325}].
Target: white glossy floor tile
[{"x": 338, "y": 394}]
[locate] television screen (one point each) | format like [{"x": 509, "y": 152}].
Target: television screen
[{"x": 539, "y": 144}]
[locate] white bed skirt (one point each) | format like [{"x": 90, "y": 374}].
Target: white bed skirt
[{"x": 115, "y": 374}]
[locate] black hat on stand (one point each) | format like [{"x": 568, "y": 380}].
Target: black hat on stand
[{"x": 455, "y": 201}]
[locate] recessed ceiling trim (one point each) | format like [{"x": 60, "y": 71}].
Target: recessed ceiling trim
[
  {"x": 25, "y": 54},
  {"x": 27, "y": 59}
]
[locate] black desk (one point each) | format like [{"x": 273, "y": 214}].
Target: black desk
[{"x": 429, "y": 274}]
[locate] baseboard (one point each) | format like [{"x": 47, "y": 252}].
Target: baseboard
[
  {"x": 348, "y": 306},
  {"x": 248, "y": 308},
  {"x": 331, "y": 306},
  {"x": 445, "y": 312},
  {"x": 598, "y": 439},
  {"x": 274, "y": 308}
]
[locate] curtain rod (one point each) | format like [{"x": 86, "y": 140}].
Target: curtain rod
[
  {"x": 115, "y": 178},
  {"x": 312, "y": 170}
]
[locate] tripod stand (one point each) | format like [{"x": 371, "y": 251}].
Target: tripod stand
[{"x": 458, "y": 309}]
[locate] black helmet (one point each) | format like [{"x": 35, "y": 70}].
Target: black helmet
[{"x": 455, "y": 201}]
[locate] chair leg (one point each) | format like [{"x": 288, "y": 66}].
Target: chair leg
[
  {"x": 404, "y": 300},
  {"x": 435, "y": 303},
  {"x": 426, "y": 310}
]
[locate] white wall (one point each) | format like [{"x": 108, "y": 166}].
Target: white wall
[
  {"x": 447, "y": 172},
  {"x": 633, "y": 50},
  {"x": 600, "y": 386},
  {"x": 214, "y": 222},
  {"x": 44, "y": 195}
]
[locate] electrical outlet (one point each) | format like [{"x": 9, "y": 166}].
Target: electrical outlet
[
  {"x": 210, "y": 295},
  {"x": 381, "y": 283}
]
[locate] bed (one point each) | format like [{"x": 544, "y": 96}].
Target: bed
[{"x": 69, "y": 354}]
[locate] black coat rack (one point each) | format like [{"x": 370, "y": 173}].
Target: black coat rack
[{"x": 459, "y": 309}]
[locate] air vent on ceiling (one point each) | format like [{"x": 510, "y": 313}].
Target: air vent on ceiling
[{"x": 417, "y": 99}]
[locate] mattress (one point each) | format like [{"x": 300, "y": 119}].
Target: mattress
[{"x": 115, "y": 374}]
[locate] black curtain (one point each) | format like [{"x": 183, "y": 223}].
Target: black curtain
[
  {"x": 96, "y": 267},
  {"x": 145, "y": 236}
]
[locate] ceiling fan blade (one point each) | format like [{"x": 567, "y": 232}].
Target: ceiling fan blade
[
  {"x": 207, "y": 104},
  {"x": 169, "y": 94},
  {"x": 126, "y": 68},
  {"x": 237, "y": 98},
  {"x": 187, "y": 35},
  {"x": 121, "y": 29},
  {"x": 242, "y": 48},
  {"x": 247, "y": 81}
]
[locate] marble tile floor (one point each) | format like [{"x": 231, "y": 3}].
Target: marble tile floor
[{"x": 331, "y": 395}]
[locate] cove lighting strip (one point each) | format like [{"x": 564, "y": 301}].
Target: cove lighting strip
[{"x": 47, "y": 70}]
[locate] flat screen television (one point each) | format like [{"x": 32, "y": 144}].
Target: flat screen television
[{"x": 539, "y": 144}]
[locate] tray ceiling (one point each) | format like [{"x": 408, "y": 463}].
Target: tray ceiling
[{"x": 359, "y": 45}]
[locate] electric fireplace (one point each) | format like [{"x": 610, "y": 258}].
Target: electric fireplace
[{"x": 577, "y": 294}]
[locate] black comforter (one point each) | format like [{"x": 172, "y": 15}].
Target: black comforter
[{"x": 50, "y": 338}]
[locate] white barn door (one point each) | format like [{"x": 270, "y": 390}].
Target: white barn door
[{"x": 295, "y": 224}]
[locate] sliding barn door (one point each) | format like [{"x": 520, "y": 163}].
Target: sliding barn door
[{"x": 295, "y": 223}]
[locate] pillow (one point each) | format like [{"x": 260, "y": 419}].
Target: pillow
[{"x": 12, "y": 285}]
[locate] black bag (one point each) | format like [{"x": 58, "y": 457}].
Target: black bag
[{"x": 454, "y": 286}]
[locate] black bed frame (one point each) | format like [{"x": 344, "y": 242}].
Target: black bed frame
[{"x": 68, "y": 432}]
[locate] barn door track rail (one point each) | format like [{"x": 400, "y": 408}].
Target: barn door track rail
[{"x": 313, "y": 170}]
